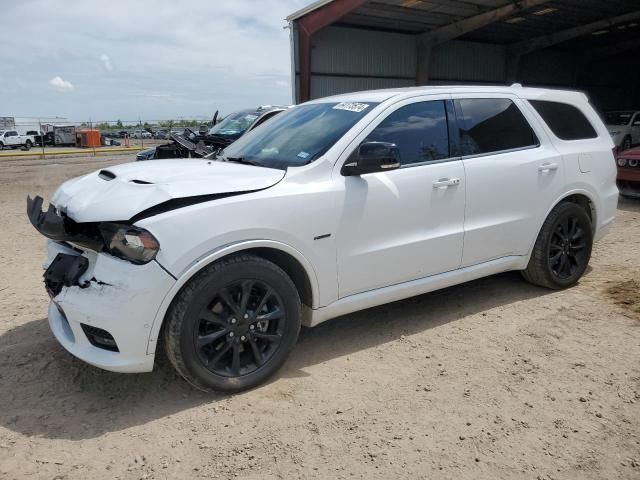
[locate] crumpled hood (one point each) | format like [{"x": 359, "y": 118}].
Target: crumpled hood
[{"x": 119, "y": 193}]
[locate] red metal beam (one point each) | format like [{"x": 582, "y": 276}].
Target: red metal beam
[{"x": 311, "y": 24}]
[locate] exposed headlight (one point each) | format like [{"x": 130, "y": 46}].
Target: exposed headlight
[
  {"x": 633, "y": 163},
  {"x": 622, "y": 162},
  {"x": 129, "y": 243}
]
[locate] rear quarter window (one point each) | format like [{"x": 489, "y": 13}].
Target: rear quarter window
[
  {"x": 491, "y": 125},
  {"x": 565, "y": 121}
]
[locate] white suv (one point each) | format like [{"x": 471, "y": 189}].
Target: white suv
[
  {"x": 141, "y": 134},
  {"x": 334, "y": 206}
]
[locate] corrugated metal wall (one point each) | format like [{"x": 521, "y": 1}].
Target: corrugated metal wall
[
  {"x": 470, "y": 62},
  {"x": 351, "y": 59},
  {"x": 347, "y": 60}
]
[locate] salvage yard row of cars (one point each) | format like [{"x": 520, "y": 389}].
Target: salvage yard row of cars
[
  {"x": 190, "y": 144},
  {"x": 330, "y": 207}
]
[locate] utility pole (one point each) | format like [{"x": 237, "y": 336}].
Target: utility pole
[{"x": 41, "y": 138}]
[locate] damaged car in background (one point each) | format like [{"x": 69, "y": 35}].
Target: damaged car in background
[{"x": 190, "y": 144}]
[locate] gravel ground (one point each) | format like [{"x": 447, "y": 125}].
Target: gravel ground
[{"x": 491, "y": 379}]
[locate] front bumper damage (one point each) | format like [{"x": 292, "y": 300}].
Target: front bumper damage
[{"x": 102, "y": 308}]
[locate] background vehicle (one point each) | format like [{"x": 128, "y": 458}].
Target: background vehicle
[
  {"x": 12, "y": 139},
  {"x": 624, "y": 127},
  {"x": 629, "y": 173},
  {"x": 161, "y": 134},
  {"x": 138, "y": 134},
  {"x": 48, "y": 138},
  {"x": 190, "y": 144},
  {"x": 334, "y": 206}
]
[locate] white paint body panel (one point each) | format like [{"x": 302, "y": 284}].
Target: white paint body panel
[
  {"x": 141, "y": 185},
  {"x": 391, "y": 235}
]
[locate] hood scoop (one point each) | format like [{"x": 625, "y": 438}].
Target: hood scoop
[{"x": 107, "y": 175}]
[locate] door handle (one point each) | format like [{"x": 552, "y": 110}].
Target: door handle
[
  {"x": 548, "y": 167},
  {"x": 446, "y": 183}
]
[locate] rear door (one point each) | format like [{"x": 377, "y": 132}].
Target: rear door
[
  {"x": 403, "y": 224},
  {"x": 512, "y": 177}
]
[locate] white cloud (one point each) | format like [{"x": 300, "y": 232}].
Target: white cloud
[
  {"x": 58, "y": 83},
  {"x": 228, "y": 57},
  {"x": 106, "y": 61}
]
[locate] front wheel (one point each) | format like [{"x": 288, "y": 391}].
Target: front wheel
[
  {"x": 233, "y": 325},
  {"x": 626, "y": 143},
  {"x": 563, "y": 248}
]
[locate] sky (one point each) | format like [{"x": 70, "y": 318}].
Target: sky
[{"x": 143, "y": 59}]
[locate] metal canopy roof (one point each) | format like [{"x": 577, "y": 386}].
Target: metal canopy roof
[{"x": 537, "y": 18}]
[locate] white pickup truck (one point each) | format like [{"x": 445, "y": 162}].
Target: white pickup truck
[{"x": 11, "y": 139}]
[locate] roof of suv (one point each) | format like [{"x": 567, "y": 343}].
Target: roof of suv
[{"x": 379, "y": 96}]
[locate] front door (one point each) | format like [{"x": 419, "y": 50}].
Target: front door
[{"x": 404, "y": 224}]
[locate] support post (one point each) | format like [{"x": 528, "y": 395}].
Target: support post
[{"x": 423, "y": 62}]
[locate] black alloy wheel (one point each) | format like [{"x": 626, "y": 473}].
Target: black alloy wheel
[
  {"x": 568, "y": 248},
  {"x": 562, "y": 250},
  {"x": 241, "y": 329},
  {"x": 234, "y": 324}
]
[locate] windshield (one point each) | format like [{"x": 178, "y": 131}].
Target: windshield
[
  {"x": 617, "y": 118},
  {"x": 235, "y": 124},
  {"x": 298, "y": 136}
]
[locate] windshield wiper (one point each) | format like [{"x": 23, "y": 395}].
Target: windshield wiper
[{"x": 243, "y": 161}]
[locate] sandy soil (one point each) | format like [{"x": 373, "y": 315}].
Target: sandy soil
[{"x": 492, "y": 379}]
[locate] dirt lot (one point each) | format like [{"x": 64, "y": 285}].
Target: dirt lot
[{"x": 492, "y": 379}]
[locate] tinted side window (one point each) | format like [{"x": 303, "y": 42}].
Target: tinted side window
[
  {"x": 492, "y": 125},
  {"x": 419, "y": 130},
  {"x": 565, "y": 121}
]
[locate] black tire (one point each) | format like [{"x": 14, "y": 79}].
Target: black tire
[
  {"x": 28, "y": 145},
  {"x": 242, "y": 354},
  {"x": 560, "y": 259},
  {"x": 626, "y": 143},
  {"x": 1, "y": 146}
]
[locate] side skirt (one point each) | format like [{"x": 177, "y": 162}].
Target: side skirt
[{"x": 373, "y": 298}]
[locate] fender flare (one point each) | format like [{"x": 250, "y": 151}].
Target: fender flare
[
  {"x": 213, "y": 256},
  {"x": 560, "y": 199}
]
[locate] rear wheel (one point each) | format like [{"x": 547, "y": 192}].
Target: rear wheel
[
  {"x": 563, "y": 248},
  {"x": 1, "y": 146},
  {"x": 28, "y": 144},
  {"x": 233, "y": 325}
]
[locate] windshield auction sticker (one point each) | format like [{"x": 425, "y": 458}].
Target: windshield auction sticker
[{"x": 352, "y": 107}]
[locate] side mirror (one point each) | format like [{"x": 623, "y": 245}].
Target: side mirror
[{"x": 372, "y": 157}]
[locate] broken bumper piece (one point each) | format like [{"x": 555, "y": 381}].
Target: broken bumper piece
[
  {"x": 54, "y": 225},
  {"x": 102, "y": 308},
  {"x": 64, "y": 271}
]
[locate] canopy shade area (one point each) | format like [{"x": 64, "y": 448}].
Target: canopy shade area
[{"x": 348, "y": 45}]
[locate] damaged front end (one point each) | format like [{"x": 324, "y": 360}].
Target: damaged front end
[
  {"x": 54, "y": 224},
  {"x": 101, "y": 307},
  {"x": 121, "y": 240}
]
